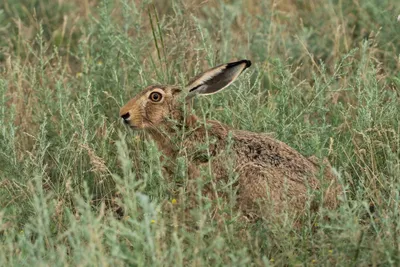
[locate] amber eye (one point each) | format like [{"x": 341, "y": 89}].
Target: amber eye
[{"x": 155, "y": 97}]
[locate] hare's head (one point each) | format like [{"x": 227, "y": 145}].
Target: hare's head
[{"x": 157, "y": 103}]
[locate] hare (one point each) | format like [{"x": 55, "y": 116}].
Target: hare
[{"x": 270, "y": 173}]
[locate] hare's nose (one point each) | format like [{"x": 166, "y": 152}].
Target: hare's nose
[{"x": 125, "y": 116}]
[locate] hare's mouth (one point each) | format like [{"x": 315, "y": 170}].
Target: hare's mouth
[
  {"x": 127, "y": 123},
  {"x": 133, "y": 127}
]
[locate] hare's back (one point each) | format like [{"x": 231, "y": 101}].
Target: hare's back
[
  {"x": 271, "y": 169},
  {"x": 272, "y": 156}
]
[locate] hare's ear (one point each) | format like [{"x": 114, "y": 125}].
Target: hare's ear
[{"x": 216, "y": 79}]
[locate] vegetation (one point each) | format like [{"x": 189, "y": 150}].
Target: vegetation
[{"x": 325, "y": 79}]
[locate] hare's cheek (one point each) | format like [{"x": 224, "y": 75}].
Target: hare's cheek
[
  {"x": 154, "y": 113},
  {"x": 136, "y": 119}
]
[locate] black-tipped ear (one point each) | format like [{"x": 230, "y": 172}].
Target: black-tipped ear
[{"x": 216, "y": 79}]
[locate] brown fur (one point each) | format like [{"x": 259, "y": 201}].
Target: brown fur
[{"x": 272, "y": 176}]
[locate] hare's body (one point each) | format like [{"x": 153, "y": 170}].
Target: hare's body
[{"x": 270, "y": 173}]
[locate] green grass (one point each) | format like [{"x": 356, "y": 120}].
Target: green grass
[{"x": 325, "y": 79}]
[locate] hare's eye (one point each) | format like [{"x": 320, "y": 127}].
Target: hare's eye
[{"x": 155, "y": 97}]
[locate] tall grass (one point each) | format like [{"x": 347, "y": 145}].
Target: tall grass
[{"x": 78, "y": 188}]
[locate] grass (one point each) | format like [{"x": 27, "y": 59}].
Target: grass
[{"x": 325, "y": 79}]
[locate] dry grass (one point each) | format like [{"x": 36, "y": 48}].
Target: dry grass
[{"x": 324, "y": 79}]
